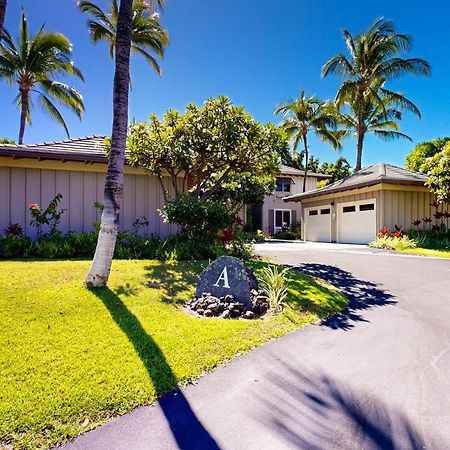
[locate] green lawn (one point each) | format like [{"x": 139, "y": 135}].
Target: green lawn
[
  {"x": 71, "y": 358},
  {"x": 427, "y": 252}
]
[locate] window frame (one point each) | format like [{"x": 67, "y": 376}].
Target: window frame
[{"x": 278, "y": 228}]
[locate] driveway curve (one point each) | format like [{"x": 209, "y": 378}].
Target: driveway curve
[{"x": 376, "y": 376}]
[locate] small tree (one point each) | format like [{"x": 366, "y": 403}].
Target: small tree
[
  {"x": 438, "y": 169},
  {"x": 418, "y": 156},
  {"x": 216, "y": 152}
]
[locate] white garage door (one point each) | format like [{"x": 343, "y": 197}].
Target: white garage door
[
  {"x": 318, "y": 224},
  {"x": 357, "y": 222}
]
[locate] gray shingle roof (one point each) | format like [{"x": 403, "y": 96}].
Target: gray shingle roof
[
  {"x": 369, "y": 176},
  {"x": 286, "y": 170},
  {"x": 89, "y": 148}
]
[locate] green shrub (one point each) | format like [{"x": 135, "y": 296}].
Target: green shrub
[
  {"x": 393, "y": 243},
  {"x": 14, "y": 246},
  {"x": 199, "y": 219}
]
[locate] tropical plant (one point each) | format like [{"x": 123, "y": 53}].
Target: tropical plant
[
  {"x": 393, "y": 242},
  {"x": 305, "y": 114},
  {"x": 31, "y": 63},
  {"x": 419, "y": 155},
  {"x": 210, "y": 152},
  {"x": 50, "y": 216},
  {"x": 147, "y": 35},
  {"x": 377, "y": 118},
  {"x": 275, "y": 284},
  {"x": 2, "y": 15},
  {"x": 101, "y": 265},
  {"x": 374, "y": 58},
  {"x": 438, "y": 170}
]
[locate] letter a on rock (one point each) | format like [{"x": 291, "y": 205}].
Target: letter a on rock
[{"x": 223, "y": 277}]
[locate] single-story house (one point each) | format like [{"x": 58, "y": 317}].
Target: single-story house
[
  {"x": 274, "y": 213},
  {"x": 353, "y": 210},
  {"x": 76, "y": 168}
]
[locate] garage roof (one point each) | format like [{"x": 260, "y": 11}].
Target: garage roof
[{"x": 369, "y": 176}]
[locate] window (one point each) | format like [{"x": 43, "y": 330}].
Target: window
[
  {"x": 282, "y": 218},
  {"x": 367, "y": 207},
  {"x": 347, "y": 209},
  {"x": 284, "y": 185},
  {"x": 313, "y": 212},
  {"x": 325, "y": 211}
]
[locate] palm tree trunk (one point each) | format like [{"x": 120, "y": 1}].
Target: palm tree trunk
[
  {"x": 101, "y": 265},
  {"x": 23, "y": 114},
  {"x": 2, "y": 14},
  {"x": 359, "y": 144},
  {"x": 306, "y": 162}
]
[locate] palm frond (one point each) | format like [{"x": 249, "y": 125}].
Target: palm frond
[{"x": 51, "y": 109}]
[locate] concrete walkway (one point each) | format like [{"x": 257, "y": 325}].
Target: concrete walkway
[{"x": 377, "y": 376}]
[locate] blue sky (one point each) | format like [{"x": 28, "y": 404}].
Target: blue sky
[{"x": 258, "y": 52}]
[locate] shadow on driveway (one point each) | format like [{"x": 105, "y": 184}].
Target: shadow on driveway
[
  {"x": 362, "y": 295},
  {"x": 187, "y": 430},
  {"x": 313, "y": 410}
]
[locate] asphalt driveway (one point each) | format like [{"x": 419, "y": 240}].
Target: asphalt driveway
[{"x": 377, "y": 376}]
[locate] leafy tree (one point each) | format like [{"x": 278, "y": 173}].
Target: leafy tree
[
  {"x": 213, "y": 152},
  {"x": 2, "y": 14},
  {"x": 101, "y": 265},
  {"x": 147, "y": 35},
  {"x": 438, "y": 169},
  {"x": 422, "y": 151},
  {"x": 7, "y": 141},
  {"x": 31, "y": 64},
  {"x": 338, "y": 170},
  {"x": 374, "y": 58},
  {"x": 309, "y": 114}
]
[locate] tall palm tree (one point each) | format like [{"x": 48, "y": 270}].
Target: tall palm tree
[
  {"x": 373, "y": 59},
  {"x": 31, "y": 63},
  {"x": 379, "y": 119},
  {"x": 147, "y": 35},
  {"x": 306, "y": 114},
  {"x": 2, "y": 15},
  {"x": 101, "y": 265}
]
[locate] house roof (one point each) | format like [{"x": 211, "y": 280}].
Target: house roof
[
  {"x": 92, "y": 149},
  {"x": 286, "y": 170},
  {"x": 87, "y": 149},
  {"x": 369, "y": 176}
]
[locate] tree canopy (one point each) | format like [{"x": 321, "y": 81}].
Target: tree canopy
[
  {"x": 438, "y": 169},
  {"x": 374, "y": 58},
  {"x": 416, "y": 158},
  {"x": 213, "y": 151}
]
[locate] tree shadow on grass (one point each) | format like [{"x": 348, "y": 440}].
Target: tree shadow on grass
[
  {"x": 173, "y": 279},
  {"x": 187, "y": 430},
  {"x": 362, "y": 295},
  {"x": 313, "y": 410}
]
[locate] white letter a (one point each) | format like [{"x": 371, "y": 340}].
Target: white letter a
[{"x": 223, "y": 277}]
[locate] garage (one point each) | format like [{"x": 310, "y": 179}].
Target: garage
[
  {"x": 357, "y": 221},
  {"x": 318, "y": 224},
  {"x": 353, "y": 209}
]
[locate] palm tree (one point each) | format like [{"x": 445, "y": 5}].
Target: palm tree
[
  {"x": 147, "y": 35},
  {"x": 303, "y": 115},
  {"x": 377, "y": 118},
  {"x": 101, "y": 265},
  {"x": 374, "y": 58},
  {"x": 31, "y": 63},
  {"x": 2, "y": 15}
]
